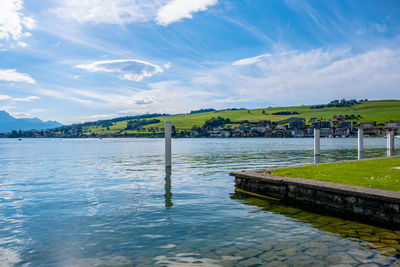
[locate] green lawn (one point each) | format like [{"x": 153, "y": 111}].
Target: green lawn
[{"x": 373, "y": 173}]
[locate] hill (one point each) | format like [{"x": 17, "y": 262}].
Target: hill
[
  {"x": 366, "y": 111},
  {"x": 9, "y": 123},
  {"x": 152, "y": 125}
]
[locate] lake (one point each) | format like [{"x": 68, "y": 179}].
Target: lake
[{"x": 110, "y": 202}]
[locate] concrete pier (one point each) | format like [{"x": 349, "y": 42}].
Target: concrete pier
[
  {"x": 366, "y": 204},
  {"x": 167, "y": 126},
  {"x": 317, "y": 142}
]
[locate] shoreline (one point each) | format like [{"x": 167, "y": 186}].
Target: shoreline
[{"x": 375, "y": 206}]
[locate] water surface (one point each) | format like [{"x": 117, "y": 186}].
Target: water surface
[{"x": 84, "y": 202}]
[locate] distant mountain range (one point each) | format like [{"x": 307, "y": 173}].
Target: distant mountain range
[{"x": 9, "y": 123}]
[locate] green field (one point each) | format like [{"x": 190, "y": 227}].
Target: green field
[
  {"x": 378, "y": 111},
  {"x": 373, "y": 173}
]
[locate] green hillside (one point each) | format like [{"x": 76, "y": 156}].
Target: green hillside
[{"x": 374, "y": 111}]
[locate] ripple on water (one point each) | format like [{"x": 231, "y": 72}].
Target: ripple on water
[{"x": 110, "y": 202}]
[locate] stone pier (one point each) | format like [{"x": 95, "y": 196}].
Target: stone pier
[{"x": 368, "y": 205}]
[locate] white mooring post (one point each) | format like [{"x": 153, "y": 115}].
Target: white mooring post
[
  {"x": 360, "y": 143},
  {"x": 316, "y": 142},
  {"x": 390, "y": 143},
  {"x": 167, "y": 127}
]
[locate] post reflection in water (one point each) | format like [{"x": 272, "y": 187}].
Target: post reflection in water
[{"x": 168, "y": 194}]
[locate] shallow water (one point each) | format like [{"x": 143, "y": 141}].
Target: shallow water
[{"x": 85, "y": 202}]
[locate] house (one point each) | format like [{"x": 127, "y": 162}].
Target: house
[
  {"x": 281, "y": 127},
  {"x": 297, "y": 133},
  {"x": 225, "y": 133},
  {"x": 325, "y": 132},
  {"x": 392, "y": 125},
  {"x": 338, "y": 118},
  {"x": 296, "y": 125},
  {"x": 264, "y": 123},
  {"x": 342, "y": 131},
  {"x": 367, "y": 125},
  {"x": 345, "y": 125},
  {"x": 194, "y": 133},
  {"x": 316, "y": 124},
  {"x": 326, "y": 124},
  {"x": 321, "y": 124},
  {"x": 374, "y": 132}
]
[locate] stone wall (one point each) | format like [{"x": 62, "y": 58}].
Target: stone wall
[{"x": 372, "y": 205}]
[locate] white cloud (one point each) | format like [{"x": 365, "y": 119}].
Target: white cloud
[
  {"x": 22, "y": 99},
  {"x": 64, "y": 96},
  {"x": 13, "y": 22},
  {"x": 5, "y": 97},
  {"x": 98, "y": 117},
  {"x": 163, "y": 12},
  {"x": 26, "y": 99},
  {"x": 26, "y": 114},
  {"x": 177, "y": 10},
  {"x": 129, "y": 69},
  {"x": 381, "y": 28},
  {"x": 108, "y": 11},
  {"x": 164, "y": 97},
  {"x": 11, "y": 75},
  {"x": 250, "y": 60},
  {"x": 167, "y": 66},
  {"x": 21, "y": 44},
  {"x": 313, "y": 76}
]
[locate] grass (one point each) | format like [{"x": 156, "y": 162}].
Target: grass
[
  {"x": 378, "y": 111},
  {"x": 373, "y": 173}
]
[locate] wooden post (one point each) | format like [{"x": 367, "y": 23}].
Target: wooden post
[
  {"x": 316, "y": 142},
  {"x": 167, "y": 126}
]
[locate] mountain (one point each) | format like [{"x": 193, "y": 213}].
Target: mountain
[{"x": 9, "y": 123}]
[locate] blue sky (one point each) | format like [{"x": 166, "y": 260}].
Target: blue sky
[{"x": 82, "y": 60}]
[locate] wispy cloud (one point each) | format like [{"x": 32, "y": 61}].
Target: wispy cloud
[
  {"x": 163, "y": 12},
  {"x": 11, "y": 75},
  {"x": 108, "y": 11},
  {"x": 64, "y": 96},
  {"x": 19, "y": 99},
  {"x": 13, "y": 23},
  {"x": 128, "y": 69},
  {"x": 250, "y": 60},
  {"x": 310, "y": 76},
  {"x": 97, "y": 117},
  {"x": 177, "y": 10},
  {"x": 26, "y": 114},
  {"x": 5, "y": 97},
  {"x": 25, "y": 99}
]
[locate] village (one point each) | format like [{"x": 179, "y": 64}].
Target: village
[
  {"x": 297, "y": 128},
  {"x": 294, "y": 127}
]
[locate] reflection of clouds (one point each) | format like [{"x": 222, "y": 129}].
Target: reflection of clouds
[
  {"x": 104, "y": 261},
  {"x": 8, "y": 257},
  {"x": 185, "y": 259},
  {"x": 168, "y": 246}
]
